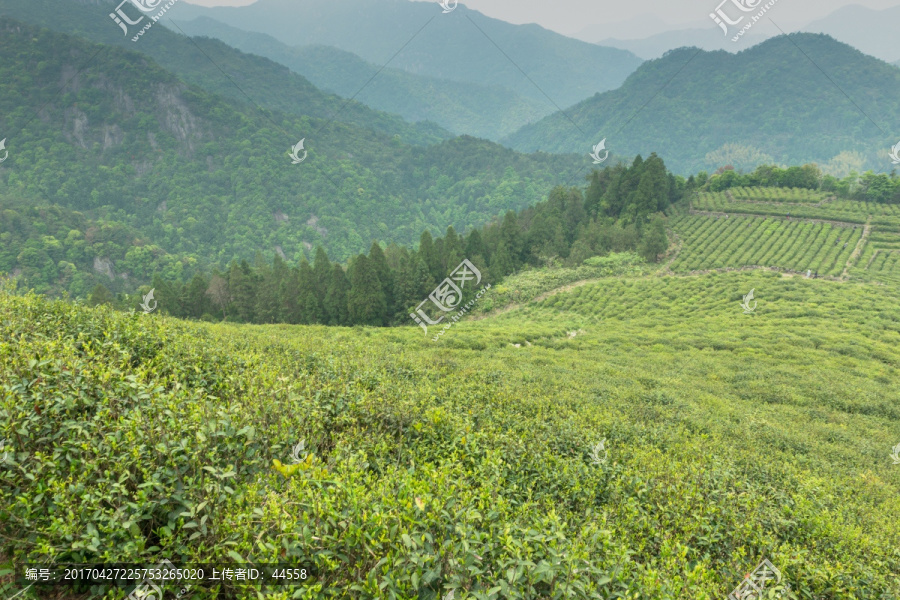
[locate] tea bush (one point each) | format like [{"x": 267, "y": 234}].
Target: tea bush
[{"x": 467, "y": 464}]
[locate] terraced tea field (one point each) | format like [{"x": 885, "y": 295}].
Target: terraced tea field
[
  {"x": 716, "y": 243},
  {"x": 815, "y": 206},
  {"x": 880, "y": 261},
  {"x": 774, "y": 194},
  {"x": 794, "y": 230}
]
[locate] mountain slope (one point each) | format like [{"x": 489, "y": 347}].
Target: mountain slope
[
  {"x": 447, "y": 46},
  {"x": 766, "y": 104},
  {"x": 206, "y": 180},
  {"x": 202, "y": 62}
]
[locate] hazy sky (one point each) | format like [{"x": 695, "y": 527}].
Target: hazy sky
[{"x": 570, "y": 16}]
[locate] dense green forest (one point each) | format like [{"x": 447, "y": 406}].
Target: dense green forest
[
  {"x": 769, "y": 104},
  {"x": 219, "y": 68},
  {"x": 620, "y": 210},
  {"x": 185, "y": 180}
]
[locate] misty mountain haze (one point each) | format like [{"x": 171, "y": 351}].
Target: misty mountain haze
[
  {"x": 490, "y": 112},
  {"x": 451, "y": 47}
]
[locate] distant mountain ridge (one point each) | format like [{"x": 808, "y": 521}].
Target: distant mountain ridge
[
  {"x": 704, "y": 110},
  {"x": 871, "y": 31},
  {"x": 709, "y": 38},
  {"x": 462, "y": 108},
  {"x": 416, "y": 37}
]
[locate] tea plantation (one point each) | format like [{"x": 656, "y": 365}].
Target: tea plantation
[{"x": 474, "y": 464}]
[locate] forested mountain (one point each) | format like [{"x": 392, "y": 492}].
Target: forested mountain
[
  {"x": 768, "y": 104},
  {"x": 250, "y": 79},
  {"x": 464, "y": 108},
  {"x": 186, "y": 179},
  {"x": 458, "y": 46}
]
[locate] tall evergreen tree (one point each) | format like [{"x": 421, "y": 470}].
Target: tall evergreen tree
[
  {"x": 290, "y": 297},
  {"x": 383, "y": 272},
  {"x": 475, "y": 246},
  {"x": 336, "y": 297},
  {"x": 453, "y": 250},
  {"x": 268, "y": 296},
  {"x": 511, "y": 235},
  {"x": 242, "y": 287},
  {"x": 311, "y": 310},
  {"x": 322, "y": 270},
  {"x": 366, "y": 304},
  {"x": 426, "y": 251}
]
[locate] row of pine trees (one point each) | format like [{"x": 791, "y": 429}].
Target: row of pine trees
[{"x": 619, "y": 210}]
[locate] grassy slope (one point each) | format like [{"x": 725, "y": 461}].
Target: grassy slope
[{"x": 731, "y": 438}]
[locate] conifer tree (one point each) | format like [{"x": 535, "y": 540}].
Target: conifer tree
[
  {"x": 511, "y": 236},
  {"x": 322, "y": 270},
  {"x": 475, "y": 246},
  {"x": 268, "y": 296},
  {"x": 366, "y": 304},
  {"x": 426, "y": 251},
  {"x": 290, "y": 297},
  {"x": 311, "y": 310},
  {"x": 379, "y": 264},
  {"x": 453, "y": 250},
  {"x": 336, "y": 297},
  {"x": 241, "y": 286}
]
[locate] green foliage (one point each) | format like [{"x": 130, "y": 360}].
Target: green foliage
[
  {"x": 467, "y": 465},
  {"x": 181, "y": 180},
  {"x": 714, "y": 243}
]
